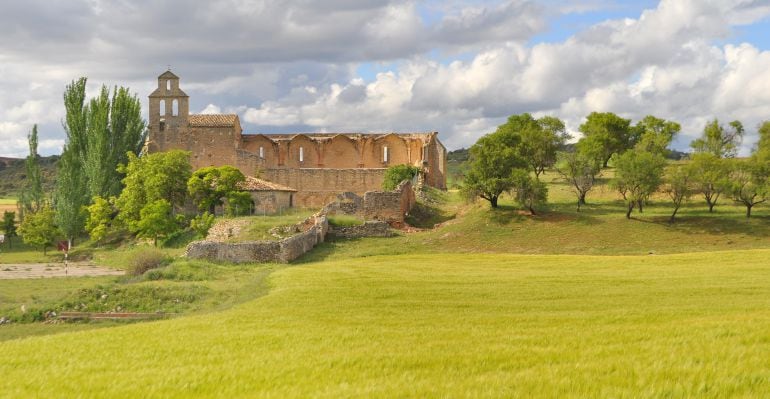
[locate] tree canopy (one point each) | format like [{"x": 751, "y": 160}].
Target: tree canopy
[
  {"x": 493, "y": 162},
  {"x": 720, "y": 140},
  {"x": 605, "y": 134},
  {"x": 637, "y": 175},
  {"x": 161, "y": 175},
  {"x": 210, "y": 185}
]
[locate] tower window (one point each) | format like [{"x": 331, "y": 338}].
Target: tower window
[
  {"x": 262, "y": 152},
  {"x": 301, "y": 154},
  {"x": 174, "y": 107},
  {"x": 162, "y": 107},
  {"x": 168, "y": 85},
  {"x": 385, "y": 154}
]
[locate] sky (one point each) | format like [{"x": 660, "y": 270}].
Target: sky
[{"x": 459, "y": 67}]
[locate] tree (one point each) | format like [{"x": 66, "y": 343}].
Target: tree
[
  {"x": 71, "y": 181},
  {"x": 31, "y": 198},
  {"x": 579, "y": 171},
  {"x": 156, "y": 221},
  {"x": 605, "y": 134},
  {"x": 395, "y": 174},
  {"x": 202, "y": 223},
  {"x": 493, "y": 161},
  {"x": 678, "y": 186},
  {"x": 115, "y": 127},
  {"x": 637, "y": 176},
  {"x": 39, "y": 228},
  {"x": 655, "y": 135},
  {"x": 762, "y": 150},
  {"x": 238, "y": 203},
  {"x": 9, "y": 226},
  {"x": 161, "y": 175},
  {"x": 208, "y": 186},
  {"x": 100, "y": 215},
  {"x": 719, "y": 140},
  {"x": 749, "y": 182},
  {"x": 539, "y": 139},
  {"x": 710, "y": 176},
  {"x": 530, "y": 193}
]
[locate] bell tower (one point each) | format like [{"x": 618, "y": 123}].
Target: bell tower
[{"x": 169, "y": 110}]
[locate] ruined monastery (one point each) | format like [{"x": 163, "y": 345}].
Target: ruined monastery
[{"x": 310, "y": 169}]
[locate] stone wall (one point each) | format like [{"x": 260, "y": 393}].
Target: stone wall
[
  {"x": 371, "y": 228},
  {"x": 283, "y": 251},
  {"x": 388, "y": 206},
  {"x": 318, "y": 187}
]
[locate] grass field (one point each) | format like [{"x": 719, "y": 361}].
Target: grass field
[
  {"x": 689, "y": 325},
  {"x": 492, "y": 303}
]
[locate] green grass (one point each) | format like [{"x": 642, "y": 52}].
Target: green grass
[
  {"x": 345, "y": 220},
  {"x": 690, "y": 325},
  {"x": 8, "y": 201},
  {"x": 259, "y": 226}
]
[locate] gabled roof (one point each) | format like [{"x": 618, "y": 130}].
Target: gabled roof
[
  {"x": 168, "y": 75},
  {"x": 213, "y": 120},
  {"x": 254, "y": 184}
]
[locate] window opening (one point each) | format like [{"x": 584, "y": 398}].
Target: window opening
[
  {"x": 262, "y": 152},
  {"x": 175, "y": 107},
  {"x": 301, "y": 154},
  {"x": 384, "y": 154}
]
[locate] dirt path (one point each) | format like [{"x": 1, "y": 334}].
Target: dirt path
[{"x": 42, "y": 270}]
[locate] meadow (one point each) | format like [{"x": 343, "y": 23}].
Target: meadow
[
  {"x": 689, "y": 325},
  {"x": 490, "y": 303}
]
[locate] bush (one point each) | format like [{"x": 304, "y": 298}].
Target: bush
[
  {"x": 202, "y": 223},
  {"x": 238, "y": 203},
  {"x": 394, "y": 175},
  {"x": 148, "y": 259}
]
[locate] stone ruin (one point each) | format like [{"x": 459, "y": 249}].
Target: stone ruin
[{"x": 379, "y": 209}]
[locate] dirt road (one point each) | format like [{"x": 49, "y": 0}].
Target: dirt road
[{"x": 43, "y": 270}]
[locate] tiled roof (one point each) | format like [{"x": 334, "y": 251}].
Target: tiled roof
[
  {"x": 213, "y": 120},
  {"x": 254, "y": 184}
]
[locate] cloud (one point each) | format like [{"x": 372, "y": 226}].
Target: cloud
[{"x": 458, "y": 67}]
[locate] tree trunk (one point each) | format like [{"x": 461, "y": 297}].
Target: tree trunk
[
  {"x": 673, "y": 215},
  {"x": 748, "y": 210},
  {"x": 641, "y": 209},
  {"x": 711, "y": 206},
  {"x": 45, "y": 250},
  {"x": 582, "y": 198},
  {"x": 630, "y": 208}
]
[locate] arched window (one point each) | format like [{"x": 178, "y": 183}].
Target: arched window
[
  {"x": 301, "y": 154},
  {"x": 262, "y": 152},
  {"x": 174, "y": 107},
  {"x": 163, "y": 107},
  {"x": 168, "y": 85},
  {"x": 385, "y": 154}
]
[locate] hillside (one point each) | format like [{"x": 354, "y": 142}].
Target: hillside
[{"x": 13, "y": 175}]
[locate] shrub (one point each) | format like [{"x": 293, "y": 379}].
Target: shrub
[
  {"x": 238, "y": 203},
  {"x": 202, "y": 223},
  {"x": 344, "y": 220},
  {"x": 396, "y": 174},
  {"x": 148, "y": 259}
]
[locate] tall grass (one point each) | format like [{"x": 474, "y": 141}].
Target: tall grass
[{"x": 690, "y": 325}]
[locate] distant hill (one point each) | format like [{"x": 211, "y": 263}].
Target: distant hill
[{"x": 13, "y": 175}]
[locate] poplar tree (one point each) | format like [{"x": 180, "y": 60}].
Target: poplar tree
[
  {"x": 31, "y": 198},
  {"x": 72, "y": 184}
]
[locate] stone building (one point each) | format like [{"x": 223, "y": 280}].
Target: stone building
[{"x": 318, "y": 165}]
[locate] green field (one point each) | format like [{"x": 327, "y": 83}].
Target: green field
[
  {"x": 491, "y": 303},
  {"x": 690, "y": 325}
]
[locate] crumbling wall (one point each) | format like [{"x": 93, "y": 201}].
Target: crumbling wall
[
  {"x": 390, "y": 206},
  {"x": 283, "y": 251},
  {"x": 370, "y": 228}
]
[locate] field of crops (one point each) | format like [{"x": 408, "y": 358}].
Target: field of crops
[{"x": 494, "y": 325}]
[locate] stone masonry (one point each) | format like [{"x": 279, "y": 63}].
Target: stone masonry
[{"x": 318, "y": 165}]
